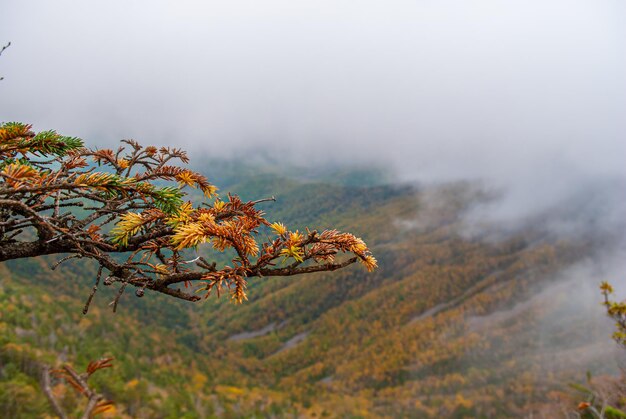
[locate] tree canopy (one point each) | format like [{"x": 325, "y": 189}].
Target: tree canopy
[{"x": 128, "y": 209}]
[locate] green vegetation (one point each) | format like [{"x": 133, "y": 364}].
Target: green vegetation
[
  {"x": 617, "y": 312},
  {"x": 446, "y": 327}
]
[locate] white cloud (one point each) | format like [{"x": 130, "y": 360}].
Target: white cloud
[{"x": 525, "y": 94}]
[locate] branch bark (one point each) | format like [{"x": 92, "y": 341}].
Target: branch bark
[{"x": 45, "y": 386}]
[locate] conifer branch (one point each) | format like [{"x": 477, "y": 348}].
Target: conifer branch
[{"x": 123, "y": 204}]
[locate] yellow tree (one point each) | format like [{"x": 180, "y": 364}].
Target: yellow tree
[
  {"x": 617, "y": 311},
  {"x": 127, "y": 209}
]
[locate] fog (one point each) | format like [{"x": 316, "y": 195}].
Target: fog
[{"x": 527, "y": 96}]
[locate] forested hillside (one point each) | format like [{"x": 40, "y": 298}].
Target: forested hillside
[{"x": 451, "y": 325}]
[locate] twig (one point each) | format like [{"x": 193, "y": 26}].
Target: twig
[
  {"x": 307, "y": 269},
  {"x": 1, "y": 51},
  {"x": 93, "y": 291},
  {"x": 272, "y": 198},
  {"x": 93, "y": 397},
  {"x": 57, "y": 203},
  {"x": 93, "y": 400},
  {"x": 119, "y": 295},
  {"x": 5, "y": 47},
  {"x": 45, "y": 378},
  {"x": 66, "y": 258},
  {"x": 15, "y": 233}
]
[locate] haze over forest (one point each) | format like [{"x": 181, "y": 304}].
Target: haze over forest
[{"x": 519, "y": 92}]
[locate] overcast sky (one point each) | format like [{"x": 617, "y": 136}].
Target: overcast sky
[{"x": 527, "y": 93}]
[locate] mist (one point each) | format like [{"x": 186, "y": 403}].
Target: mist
[{"x": 527, "y": 97}]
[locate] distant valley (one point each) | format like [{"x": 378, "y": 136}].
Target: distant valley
[{"x": 463, "y": 318}]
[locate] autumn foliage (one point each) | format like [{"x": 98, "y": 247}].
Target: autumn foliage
[
  {"x": 616, "y": 311},
  {"x": 128, "y": 210}
]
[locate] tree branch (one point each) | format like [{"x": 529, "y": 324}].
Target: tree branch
[
  {"x": 45, "y": 386},
  {"x": 307, "y": 269},
  {"x": 153, "y": 225}
]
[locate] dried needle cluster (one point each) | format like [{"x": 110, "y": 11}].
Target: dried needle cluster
[{"x": 126, "y": 209}]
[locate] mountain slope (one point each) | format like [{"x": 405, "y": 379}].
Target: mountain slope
[{"x": 450, "y": 324}]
